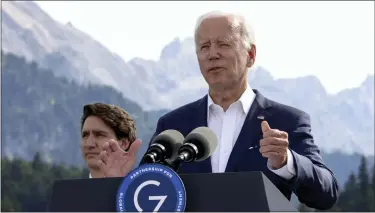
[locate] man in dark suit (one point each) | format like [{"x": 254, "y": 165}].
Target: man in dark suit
[{"x": 254, "y": 133}]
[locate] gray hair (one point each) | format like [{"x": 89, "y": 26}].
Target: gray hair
[{"x": 248, "y": 37}]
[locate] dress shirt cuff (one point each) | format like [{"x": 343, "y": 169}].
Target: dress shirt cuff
[{"x": 288, "y": 171}]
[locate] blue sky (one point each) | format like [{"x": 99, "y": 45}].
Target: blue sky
[{"x": 331, "y": 40}]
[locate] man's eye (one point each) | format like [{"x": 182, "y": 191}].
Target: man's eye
[{"x": 100, "y": 135}]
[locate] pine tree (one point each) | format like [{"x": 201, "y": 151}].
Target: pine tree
[
  {"x": 25, "y": 189},
  {"x": 37, "y": 163},
  {"x": 348, "y": 196},
  {"x": 372, "y": 185},
  {"x": 364, "y": 202},
  {"x": 357, "y": 195}
]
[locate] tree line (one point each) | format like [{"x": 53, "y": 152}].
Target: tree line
[
  {"x": 357, "y": 194},
  {"x": 26, "y": 186}
]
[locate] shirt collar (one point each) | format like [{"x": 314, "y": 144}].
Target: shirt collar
[
  {"x": 90, "y": 175},
  {"x": 245, "y": 100}
]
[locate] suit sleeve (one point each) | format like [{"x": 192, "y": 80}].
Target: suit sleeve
[
  {"x": 314, "y": 184},
  {"x": 159, "y": 129}
]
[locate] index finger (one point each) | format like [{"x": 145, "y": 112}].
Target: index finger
[
  {"x": 114, "y": 145},
  {"x": 106, "y": 147},
  {"x": 134, "y": 147},
  {"x": 274, "y": 141},
  {"x": 275, "y": 133}
]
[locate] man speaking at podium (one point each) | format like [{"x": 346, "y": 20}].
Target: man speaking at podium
[{"x": 254, "y": 133}]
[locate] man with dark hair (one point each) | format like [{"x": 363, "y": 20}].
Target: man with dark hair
[{"x": 101, "y": 123}]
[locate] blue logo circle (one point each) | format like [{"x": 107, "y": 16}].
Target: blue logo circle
[{"x": 151, "y": 188}]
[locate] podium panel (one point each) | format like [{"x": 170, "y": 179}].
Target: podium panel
[{"x": 208, "y": 192}]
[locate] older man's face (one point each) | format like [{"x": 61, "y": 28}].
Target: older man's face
[{"x": 222, "y": 56}]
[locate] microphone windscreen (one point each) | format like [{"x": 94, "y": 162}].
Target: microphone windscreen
[
  {"x": 205, "y": 139},
  {"x": 172, "y": 141}
]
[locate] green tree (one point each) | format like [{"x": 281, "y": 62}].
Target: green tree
[
  {"x": 357, "y": 193},
  {"x": 37, "y": 162},
  {"x": 364, "y": 201},
  {"x": 348, "y": 196},
  {"x": 26, "y": 186},
  {"x": 373, "y": 189}
]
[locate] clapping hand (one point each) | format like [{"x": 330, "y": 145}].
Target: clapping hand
[{"x": 115, "y": 162}]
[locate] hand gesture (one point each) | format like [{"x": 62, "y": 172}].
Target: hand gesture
[
  {"x": 274, "y": 146},
  {"x": 115, "y": 162}
]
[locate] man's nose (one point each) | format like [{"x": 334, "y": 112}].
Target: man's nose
[
  {"x": 213, "y": 52},
  {"x": 91, "y": 142}
]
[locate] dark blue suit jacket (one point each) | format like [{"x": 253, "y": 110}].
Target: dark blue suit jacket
[{"x": 314, "y": 184}]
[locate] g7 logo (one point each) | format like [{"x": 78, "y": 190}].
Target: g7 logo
[{"x": 160, "y": 198}]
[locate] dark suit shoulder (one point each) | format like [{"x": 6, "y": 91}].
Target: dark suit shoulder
[
  {"x": 183, "y": 111},
  {"x": 288, "y": 110},
  {"x": 290, "y": 115}
]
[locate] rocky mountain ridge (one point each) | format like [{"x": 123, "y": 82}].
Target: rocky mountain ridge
[{"x": 340, "y": 122}]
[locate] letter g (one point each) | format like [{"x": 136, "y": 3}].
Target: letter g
[{"x": 140, "y": 187}]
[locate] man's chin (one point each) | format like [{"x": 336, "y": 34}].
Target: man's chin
[
  {"x": 217, "y": 84},
  {"x": 92, "y": 163}
]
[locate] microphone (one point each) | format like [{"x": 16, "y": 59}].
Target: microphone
[
  {"x": 163, "y": 146},
  {"x": 198, "y": 145}
]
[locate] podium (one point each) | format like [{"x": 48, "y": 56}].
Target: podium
[{"x": 206, "y": 192}]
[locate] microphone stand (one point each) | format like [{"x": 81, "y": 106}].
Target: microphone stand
[
  {"x": 175, "y": 165},
  {"x": 187, "y": 154},
  {"x": 181, "y": 158},
  {"x": 149, "y": 159}
]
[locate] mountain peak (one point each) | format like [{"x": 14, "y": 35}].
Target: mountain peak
[
  {"x": 178, "y": 47},
  {"x": 171, "y": 49},
  {"x": 69, "y": 24},
  {"x": 369, "y": 81}
]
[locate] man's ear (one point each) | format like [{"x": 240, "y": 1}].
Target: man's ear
[
  {"x": 251, "y": 56},
  {"x": 124, "y": 143}
]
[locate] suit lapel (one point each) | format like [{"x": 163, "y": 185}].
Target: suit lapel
[
  {"x": 251, "y": 131},
  {"x": 201, "y": 120}
]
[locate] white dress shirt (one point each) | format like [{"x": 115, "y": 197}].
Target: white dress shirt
[{"x": 227, "y": 126}]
